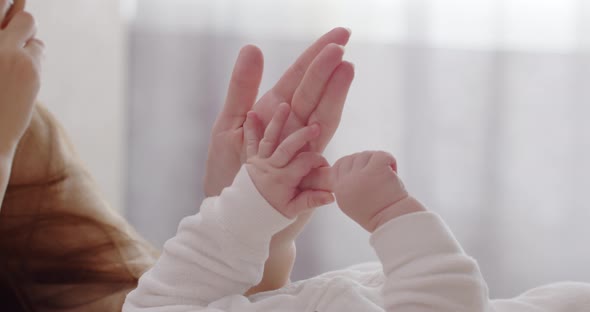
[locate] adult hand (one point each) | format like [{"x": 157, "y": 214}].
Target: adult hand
[
  {"x": 316, "y": 86},
  {"x": 9, "y": 10},
  {"x": 20, "y": 66},
  {"x": 20, "y": 69}
]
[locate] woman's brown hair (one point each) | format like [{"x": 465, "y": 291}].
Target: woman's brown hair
[{"x": 61, "y": 247}]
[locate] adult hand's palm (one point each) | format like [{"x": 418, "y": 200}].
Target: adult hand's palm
[{"x": 316, "y": 86}]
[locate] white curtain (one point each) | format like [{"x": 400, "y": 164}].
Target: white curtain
[
  {"x": 485, "y": 104},
  {"x": 84, "y": 82}
]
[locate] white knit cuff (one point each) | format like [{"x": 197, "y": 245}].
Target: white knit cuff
[
  {"x": 412, "y": 236},
  {"x": 246, "y": 214}
]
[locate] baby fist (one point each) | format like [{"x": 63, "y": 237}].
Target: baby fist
[{"x": 368, "y": 189}]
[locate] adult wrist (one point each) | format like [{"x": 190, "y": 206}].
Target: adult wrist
[{"x": 210, "y": 190}]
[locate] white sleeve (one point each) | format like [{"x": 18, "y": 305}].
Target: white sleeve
[
  {"x": 217, "y": 253},
  {"x": 425, "y": 267}
]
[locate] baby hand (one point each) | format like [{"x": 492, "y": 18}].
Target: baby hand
[
  {"x": 277, "y": 168},
  {"x": 369, "y": 190}
]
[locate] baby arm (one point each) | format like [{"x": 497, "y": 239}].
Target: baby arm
[
  {"x": 425, "y": 268},
  {"x": 318, "y": 73},
  {"x": 220, "y": 252}
]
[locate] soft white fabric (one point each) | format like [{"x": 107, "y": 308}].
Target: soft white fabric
[{"x": 220, "y": 252}]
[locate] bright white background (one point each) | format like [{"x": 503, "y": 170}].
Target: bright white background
[
  {"x": 484, "y": 103},
  {"x": 84, "y": 81}
]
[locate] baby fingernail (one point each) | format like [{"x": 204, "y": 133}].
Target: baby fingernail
[
  {"x": 327, "y": 200},
  {"x": 315, "y": 128}
]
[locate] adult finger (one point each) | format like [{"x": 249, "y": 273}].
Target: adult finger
[
  {"x": 251, "y": 136},
  {"x": 317, "y": 76},
  {"x": 329, "y": 110},
  {"x": 243, "y": 89},
  {"x": 287, "y": 150},
  {"x": 17, "y": 6},
  {"x": 4, "y": 7},
  {"x": 272, "y": 134},
  {"x": 21, "y": 28},
  {"x": 292, "y": 78}
]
